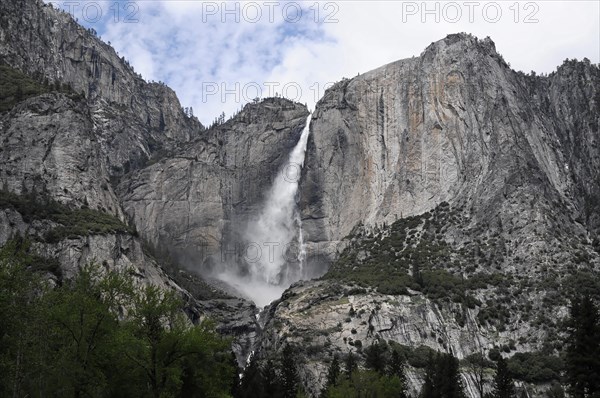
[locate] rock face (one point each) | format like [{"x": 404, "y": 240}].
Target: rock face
[
  {"x": 200, "y": 199},
  {"x": 74, "y": 149},
  {"x": 131, "y": 118},
  {"x": 49, "y": 146},
  {"x": 486, "y": 178},
  {"x": 500, "y": 170},
  {"x": 455, "y": 124}
]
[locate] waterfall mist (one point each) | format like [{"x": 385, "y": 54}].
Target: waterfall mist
[{"x": 274, "y": 252}]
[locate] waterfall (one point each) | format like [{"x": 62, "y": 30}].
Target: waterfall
[
  {"x": 274, "y": 250},
  {"x": 278, "y": 226}
]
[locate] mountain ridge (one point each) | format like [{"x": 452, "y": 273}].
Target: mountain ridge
[{"x": 453, "y": 199}]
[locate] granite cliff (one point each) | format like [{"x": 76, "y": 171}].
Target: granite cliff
[{"x": 454, "y": 200}]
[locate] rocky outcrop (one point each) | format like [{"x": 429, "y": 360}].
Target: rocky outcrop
[
  {"x": 500, "y": 170},
  {"x": 73, "y": 149},
  {"x": 454, "y": 124},
  {"x": 49, "y": 147},
  {"x": 513, "y": 159},
  {"x": 326, "y": 318},
  {"x": 132, "y": 118}
]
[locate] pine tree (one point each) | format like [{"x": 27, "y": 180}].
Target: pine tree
[
  {"x": 442, "y": 378},
  {"x": 334, "y": 371},
  {"x": 583, "y": 349},
  {"x": 504, "y": 386},
  {"x": 289, "y": 373},
  {"x": 271, "y": 380},
  {"x": 332, "y": 375},
  {"x": 376, "y": 358},
  {"x": 396, "y": 368},
  {"x": 428, "y": 388},
  {"x": 477, "y": 364},
  {"x": 235, "y": 382},
  {"x": 351, "y": 365},
  {"x": 251, "y": 385}
]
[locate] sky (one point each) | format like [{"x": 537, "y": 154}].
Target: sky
[{"x": 220, "y": 55}]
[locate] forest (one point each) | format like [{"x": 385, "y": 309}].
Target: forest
[{"x": 99, "y": 334}]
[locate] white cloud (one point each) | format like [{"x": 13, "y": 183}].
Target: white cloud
[{"x": 183, "y": 44}]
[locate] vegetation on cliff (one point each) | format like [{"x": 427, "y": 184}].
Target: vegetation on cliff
[
  {"x": 69, "y": 222},
  {"x": 96, "y": 335},
  {"x": 16, "y": 87}
]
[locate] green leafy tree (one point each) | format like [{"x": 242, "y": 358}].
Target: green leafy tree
[
  {"x": 271, "y": 380},
  {"x": 583, "y": 349},
  {"x": 94, "y": 336},
  {"x": 367, "y": 383},
  {"x": 156, "y": 340},
  {"x": 206, "y": 363},
  {"x": 83, "y": 327},
  {"x": 22, "y": 327}
]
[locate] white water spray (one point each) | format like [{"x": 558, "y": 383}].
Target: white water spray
[{"x": 275, "y": 250}]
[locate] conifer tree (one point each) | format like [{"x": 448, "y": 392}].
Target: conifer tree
[
  {"x": 252, "y": 383},
  {"x": 271, "y": 380},
  {"x": 351, "y": 365},
  {"x": 333, "y": 374},
  {"x": 376, "y": 357},
  {"x": 289, "y": 373},
  {"x": 583, "y": 349},
  {"x": 396, "y": 368},
  {"x": 504, "y": 386},
  {"x": 442, "y": 378}
]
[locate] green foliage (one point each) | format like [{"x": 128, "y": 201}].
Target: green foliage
[
  {"x": 73, "y": 222},
  {"x": 535, "y": 367},
  {"x": 95, "y": 335},
  {"x": 16, "y": 87},
  {"x": 396, "y": 366},
  {"x": 407, "y": 255},
  {"x": 350, "y": 365},
  {"x": 21, "y": 333},
  {"x": 367, "y": 383},
  {"x": 274, "y": 379},
  {"x": 417, "y": 357},
  {"x": 582, "y": 283},
  {"x": 442, "y": 378},
  {"x": 333, "y": 375},
  {"x": 376, "y": 357},
  {"x": 289, "y": 373},
  {"x": 253, "y": 381},
  {"x": 504, "y": 386}
]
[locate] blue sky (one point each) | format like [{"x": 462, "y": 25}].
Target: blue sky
[{"x": 216, "y": 63}]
